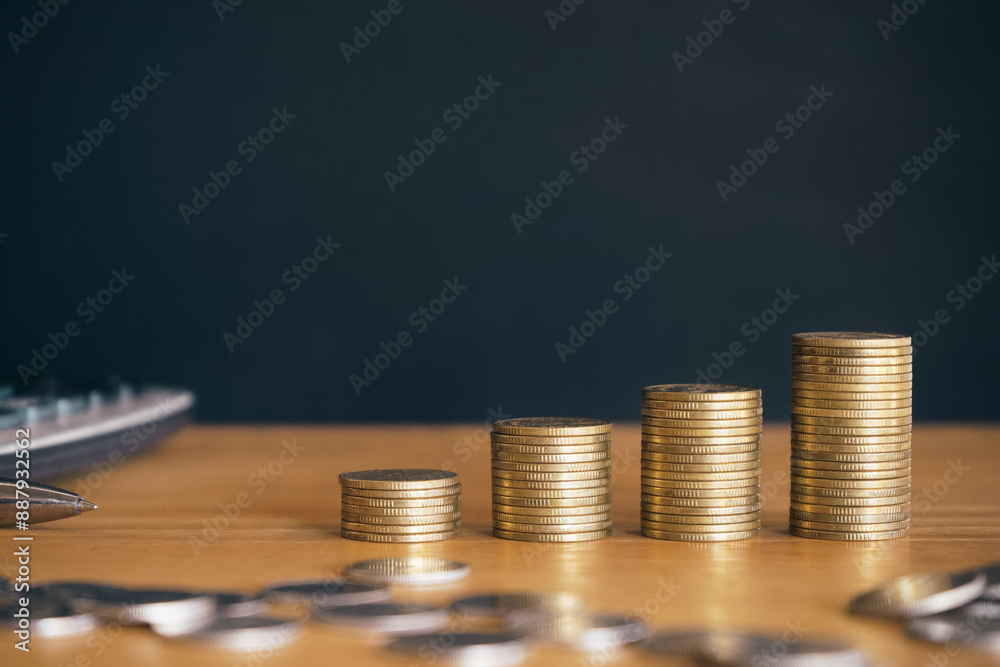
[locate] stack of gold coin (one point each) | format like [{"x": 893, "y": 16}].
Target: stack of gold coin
[
  {"x": 851, "y": 421},
  {"x": 551, "y": 479},
  {"x": 701, "y": 462},
  {"x": 401, "y": 505}
]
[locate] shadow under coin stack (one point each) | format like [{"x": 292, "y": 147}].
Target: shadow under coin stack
[
  {"x": 851, "y": 422},
  {"x": 551, "y": 479},
  {"x": 404, "y": 505},
  {"x": 701, "y": 462}
]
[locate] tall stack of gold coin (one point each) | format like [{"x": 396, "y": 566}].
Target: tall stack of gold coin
[
  {"x": 851, "y": 422},
  {"x": 551, "y": 479},
  {"x": 701, "y": 462},
  {"x": 400, "y": 505}
]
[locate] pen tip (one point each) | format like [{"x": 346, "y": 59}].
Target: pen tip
[{"x": 86, "y": 506}]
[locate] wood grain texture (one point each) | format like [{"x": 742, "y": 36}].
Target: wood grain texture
[{"x": 151, "y": 531}]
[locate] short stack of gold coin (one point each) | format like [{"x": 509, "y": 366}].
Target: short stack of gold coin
[
  {"x": 551, "y": 479},
  {"x": 851, "y": 422},
  {"x": 400, "y": 505},
  {"x": 701, "y": 462}
]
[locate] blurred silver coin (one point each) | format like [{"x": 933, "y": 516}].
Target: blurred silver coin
[
  {"x": 238, "y": 604},
  {"x": 48, "y": 618},
  {"x": 75, "y": 593},
  {"x": 592, "y": 633},
  {"x": 5, "y": 585},
  {"x": 390, "y": 618},
  {"x": 975, "y": 623},
  {"x": 468, "y": 649},
  {"x": 805, "y": 653},
  {"x": 244, "y": 633},
  {"x": 496, "y": 607},
  {"x": 992, "y": 590},
  {"x": 317, "y": 593},
  {"x": 415, "y": 571},
  {"x": 709, "y": 646},
  {"x": 167, "y": 608},
  {"x": 920, "y": 595}
]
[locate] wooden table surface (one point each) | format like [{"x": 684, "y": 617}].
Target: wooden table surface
[{"x": 154, "y": 529}]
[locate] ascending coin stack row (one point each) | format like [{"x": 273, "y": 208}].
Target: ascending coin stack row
[
  {"x": 551, "y": 479},
  {"x": 400, "y": 505},
  {"x": 701, "y": 462},
  {"x": 851, "y": 422}
]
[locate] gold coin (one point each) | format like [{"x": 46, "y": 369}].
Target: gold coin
[
  {"x": 697, "y": 406},
  {"x": 656, "y": 450},
  {"x": 852, "y": 422},
  {"x": 443, "y": 492},
  {"x": 561, "y": 426},
  {"x": 851, "y": 395},
  {"x": 697, "y": 519},
  {"x": 518, "y": 450},
  {"x": 742, "y": 492},
  {"x": 815, "y": 481},
  {"x": 684, "y": 510},
  {"x": 699, "y": 537},
  {"x": 672, "y": 484},
  {"x": 700, "y": 392},
  {"x": 551, "y": 467},
  {"x": 523, "y": 501},
  {"x": 850, "y": 457},
  {"x": 849, "y": 430},
  {"x": 851, "y": 519},
  {"x": 876, "y": 406},
  {"x": 667, "y": 461},
  {"x": 842, "y": 352},
  {"x": 702, "y": 415},
  {"x": 551, "y": 493},
  {"x": 833, "y": 492},
  {"x": 695, "y": 424},
  {"x": 849, "y": 537},
  {"x": 419, "y": 537},
  {"x": 400, "y": 511},
  {"x": 552, "y": 476},
  {"x": 414, "y": 520},
  {"x": 548, "y": 440},
  {"x": 834, "y": 369},
  {"x": 548, "y": 537},
  {"x": 848, "y": 503},
  {"x": 552, "y": 529},
  {"x": 659, "y": 467},
  {"x": 852, "y": 339},
  {"x": 551, "y": 458},
  {"x": 850, "y": 527},
  {"x": 741, "y": 440},
  {"x": 701, "y": 432},
  {"x": 354, "y": 526},
  {"x": 553, "y": 486},
  {"x": 401, "y": 503},
  {"x": 700, "y": 527},
  {"x": 551, "y": 512},
  {"x": 802, "y": 411},
  {"x": 831, "y": 360},
  {"x": 551, "y": 520},
  {"x": 865, "y": 510},
  {"x": 398, "y": 479},
  {"x": 852, "y": 475},
  {"x": 849, "y": 466},
  {"x": 848, "y": 442},
  {"x": 651, "y": 502},
  {"x": 854, "y": 383},
  {"x": 674, "y": 476}
]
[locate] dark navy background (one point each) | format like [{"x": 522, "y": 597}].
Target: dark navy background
[{"x": 323, "y": 176}]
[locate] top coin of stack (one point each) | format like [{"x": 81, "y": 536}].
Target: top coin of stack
[
  {"x": 851, "y": 422},
  {"x": 551, "y": 479},
  {"x": 403, "y": 505},
  {"x": 701, "y": 462}
]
